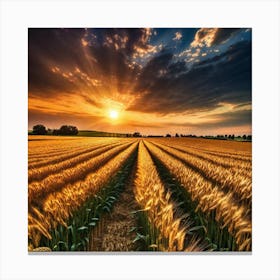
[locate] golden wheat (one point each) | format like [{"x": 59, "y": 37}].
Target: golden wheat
[
  {"x": 71, "y": 197},
  {"x": 209, "y": 197},
  {"x": 65, "y": 171},
  {"x": 45, "y": 154},
  {"x": 151, "y": 195},
  {"x": 232, "y": 149},
  {"x": 216, "y": 158},
  {"x": 36, "y": 174},
  {"x": 232, "y": 179},
  {"x": 74, "y": 173}
]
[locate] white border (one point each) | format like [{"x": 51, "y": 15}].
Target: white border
[{"x": 17, "y": 16}]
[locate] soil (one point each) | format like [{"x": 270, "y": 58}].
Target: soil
[{"x": 115, "y": 230}]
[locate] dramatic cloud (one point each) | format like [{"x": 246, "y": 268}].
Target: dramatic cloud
[
  {"x": 212, "y": 36},
  {"x": 155, "y": 78},
  {"x": 223, "y": 78}
]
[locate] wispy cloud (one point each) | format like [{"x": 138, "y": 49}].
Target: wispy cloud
[{"x": 178, "y": 36}]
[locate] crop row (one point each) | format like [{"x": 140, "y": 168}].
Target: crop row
[
  {"x": 207, "y": 203},
  {"x": 56, "y": 181},
  {"x": 68, "y": 152},
  {"x": 71, "y": 160},
  {"x": 241, "y": 166},
  {"x": 210, "y": 198},
  {"x": 166, "y": 230},
  {"x": 58, "y": 207},
  {"x": 228, "y": 179},
  {"x": 57, "y": 145},
  {"x": 227, "y": 149}
]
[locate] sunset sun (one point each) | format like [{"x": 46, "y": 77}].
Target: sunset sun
[{"x": 113, "y": 114}]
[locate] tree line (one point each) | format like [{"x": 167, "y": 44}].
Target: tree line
[
  {"x": 219, "y": 137},
  {"x": 40, "y": 129}
]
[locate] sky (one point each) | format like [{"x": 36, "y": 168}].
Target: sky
[{"x": 149, "y": 80}]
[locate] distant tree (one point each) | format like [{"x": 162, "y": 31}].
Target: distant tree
[
  {"x": 168, "y": 135},
  {"x": 229, "y": 136},
  {"x": 64, "y": 130},
  {"x": 177, "y": 135},
  {"x": 55, "y": 132},
  {"x": 244, "y": 137},
  {"x": 226, "y": 136},
  {"x": 68, "y": 130},
  {"x": 39, "y": 129},
  {"x": 232, "y": 136},
  {"x": 249, "y": 137},
  {"x": 136, "y": 134}
]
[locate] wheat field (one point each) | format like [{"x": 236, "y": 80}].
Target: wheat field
[{"x": 139, "y": 194}]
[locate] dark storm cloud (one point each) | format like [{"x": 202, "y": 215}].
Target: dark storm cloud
[
  {"x": 223, "y": 34},
  {"x": 224, "y": 78},
  {"x": 150, "y": 75},
  {"x": 47, "y": 47}
]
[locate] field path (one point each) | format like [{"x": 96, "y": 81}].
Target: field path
[{"x": 114, "y": 231}]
